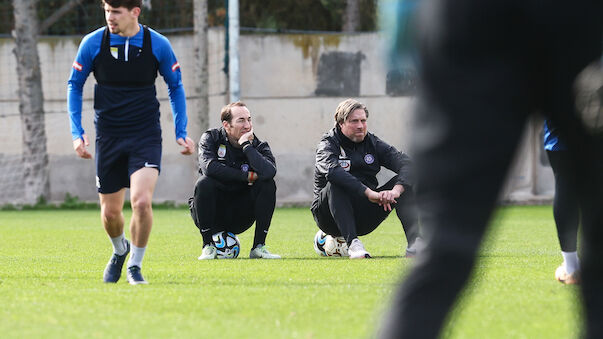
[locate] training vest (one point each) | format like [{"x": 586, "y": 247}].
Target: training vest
[{"x": 125, "y": 98}]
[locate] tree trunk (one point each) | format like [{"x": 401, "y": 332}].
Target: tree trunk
[
  {"x": 201, "y": 69},
  {"x": 35, "y": 157},
  {"x": 351, "y": 19}
]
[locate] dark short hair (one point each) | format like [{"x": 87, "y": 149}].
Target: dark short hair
[
  {"x": 345, "y": 108},
  {"x": 226, "y": 113},
  {"x": 129, "y": 4}
]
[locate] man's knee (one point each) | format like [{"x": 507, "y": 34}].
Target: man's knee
[
  {"x": 111, "y": 213},
  {"x": 267, "y": 186},
  {"x": 205, "y": 187},
  {"x": 336, "y": 192},
  {"x": 141, "y": 203}
]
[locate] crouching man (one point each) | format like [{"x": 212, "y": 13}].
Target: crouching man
[
  {"x": 347, "y": 202},
  {"x": 236, "y": 184}
]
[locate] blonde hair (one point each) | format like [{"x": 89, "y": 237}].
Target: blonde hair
[{"x": 346, "y": 107}]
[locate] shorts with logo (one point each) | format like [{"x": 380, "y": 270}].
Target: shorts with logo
[{"x": 118, "y": 157}]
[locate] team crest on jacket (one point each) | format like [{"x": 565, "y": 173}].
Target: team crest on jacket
[
  {"x": 369, "y": 159},
  {"x": 245, "y": 168},
  {"x": 222, "y": 151},
  {"x": 345, "y": 164}
]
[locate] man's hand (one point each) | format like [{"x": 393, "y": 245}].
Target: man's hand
[
  {"x": 251, "y": 177},
  {"x": 188, "y": 144},
  {"x": 80, "y": 144},
  {"x": 372, "y": 196},
  {"x": 385, "y": 198},
  {"x": 246, "y": 137}
]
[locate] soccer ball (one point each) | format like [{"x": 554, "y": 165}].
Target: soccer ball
[
  {"x": 336, "y": 247},
  {"x": 329, "y": 246},
  {"x": 319, "y": 242},
  {"x": 227, "y": 245}
]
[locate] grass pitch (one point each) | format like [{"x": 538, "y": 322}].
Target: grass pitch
[{"x": 51, "y": 265}]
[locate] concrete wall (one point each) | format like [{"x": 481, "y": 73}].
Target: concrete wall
[{"x": 291, "y": 83}]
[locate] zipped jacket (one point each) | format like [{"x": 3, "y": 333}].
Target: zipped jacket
[
  {"x": 354, "y": 166},
  {"x": 230, "y": 165}
]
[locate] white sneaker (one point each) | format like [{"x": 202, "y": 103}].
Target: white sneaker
[
  {"x": 261, "y": 252},
  {"x": 356, "y": 250},
  {"x": 416, "y": 248},
  {"x": 209, "y": 252}
]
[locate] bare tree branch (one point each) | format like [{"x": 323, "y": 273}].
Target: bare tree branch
[{"x": 58, "y": 14}]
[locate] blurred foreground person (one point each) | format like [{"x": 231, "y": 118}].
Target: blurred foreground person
[
  {"x": 566, "y": 209},
  {"x": 480, "y": 78}
]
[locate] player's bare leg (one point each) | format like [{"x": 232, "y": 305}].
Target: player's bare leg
[
  {"x": 142, "y": 186},
  {"x": 113, "y": 221},
  {"x": 111, "y": 212}
]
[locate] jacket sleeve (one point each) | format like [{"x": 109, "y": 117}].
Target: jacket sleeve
[
  {"x": 327, "y": 164},
  {"x": 209, "y": 164},
  {"x": 261, "y": 160},
  {"x": 169, "y": 68},
  {"x": 397, "y": 161},
  {"x": 80, "y": 69}
]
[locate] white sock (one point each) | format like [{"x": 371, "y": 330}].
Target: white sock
[
  {"x": 119, "y": 244},
  {"x": 572, "y": 263},
  {"x": 136, "y": 256}
]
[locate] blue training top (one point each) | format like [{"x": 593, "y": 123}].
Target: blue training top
[
  {"x": 551, "y": 138},
  {"x": 122, "y": 48}
]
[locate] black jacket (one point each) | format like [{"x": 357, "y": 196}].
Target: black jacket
[
  {"x": 354, "y": 166},
  {"x": 229, "y": 165}
]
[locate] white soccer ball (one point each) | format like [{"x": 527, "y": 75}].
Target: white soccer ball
[
  {"x": 319, "y": 242},
  {"x": 335, "y": 247},
  {"x": 227, "y": 245}
]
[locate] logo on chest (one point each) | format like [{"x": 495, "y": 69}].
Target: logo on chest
[
  {"x": 222, "y": 151},
  {"x": 245, "y": 168},
  {"x": 346, "y": 164},
  {"x": 369, "y": 159}
]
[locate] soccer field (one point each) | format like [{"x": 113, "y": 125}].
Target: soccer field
[{"x": 51, "y": 265}]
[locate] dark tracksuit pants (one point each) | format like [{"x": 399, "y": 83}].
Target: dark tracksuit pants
[
  {"x": 480, "y": 79},
  {"x": 566, "y": 209},
  {"x": 218, "y": 207},
  {"x": 340, "y": 214}
]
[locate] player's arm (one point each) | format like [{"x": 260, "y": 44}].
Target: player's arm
[
  {"x": 169, "y": 68},
  {"x": 211, "y": 166},
  {"x": 74, "y": 106},
  {"x": 80, "y": 69},
  {"x": 327, "y": 163}
]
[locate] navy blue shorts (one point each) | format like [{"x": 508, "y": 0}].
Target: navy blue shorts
[{"x": 117, "y": 158}]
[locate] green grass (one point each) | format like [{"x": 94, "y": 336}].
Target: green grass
[{"x": 51, "y": 265}]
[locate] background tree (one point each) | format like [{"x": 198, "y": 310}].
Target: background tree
[
  {"x": 79, "y": 17},
  {"x": 201, "y": 70},
  {"x": 351, "y": 18},
  {"x": 31, "y": 100}
]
